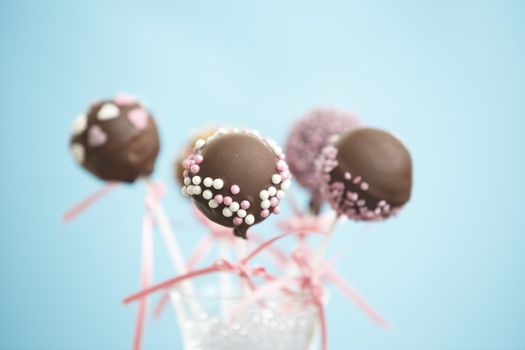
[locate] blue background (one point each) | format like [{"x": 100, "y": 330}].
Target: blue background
[{"x": 447, "y": 76}]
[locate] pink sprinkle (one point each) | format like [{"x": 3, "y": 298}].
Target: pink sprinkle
[
  {"x": 96, "y": 137},
  {"x": 245, "y": 204},
  {"x": 195, "y": 168},
  {"x": 360, "y": 202},
  {"x": 237, "y": 221},
  {"x": 199, "y": 158},
  {"x": 281, "y": 165},
  {"x": 274, "y": 201},
  {"x": 265, "y": 213},
  {"x": 381, "y": 203},
  {"x": 218, "y": 198},
  {"x": 227, "y": 200},
  {"x": 185, "y": 173},
  {"x": 364, "y": 186},
  {"x": 235, "y": 189},
  {"x": 357, "y": 180},
  {"x": 138, "y": 118},
  {"x": 276, "y": 210},
  {"x": 123, "y": 99},
  {"x": 348, "y": 176}
]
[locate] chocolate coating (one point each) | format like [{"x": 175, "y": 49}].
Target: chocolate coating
[
  {"x": 116, "y": 140},
  {"x": 308, "y": 136},
  {"x": 367, "y": 174},
  {"x": 236, "y": 178}
]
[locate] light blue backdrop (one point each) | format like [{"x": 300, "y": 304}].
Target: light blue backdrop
[{"x": 447, "y": 76}]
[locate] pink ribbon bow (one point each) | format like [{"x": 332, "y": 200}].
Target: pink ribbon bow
[{"x": 312, "y": 275}]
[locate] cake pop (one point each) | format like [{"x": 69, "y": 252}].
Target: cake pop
[
  {"x": 236, "y": 178},
  {"x": 116, "y": 140},
  {"x": 306, "y": 140},
  {"x": 366, "y": 174}
]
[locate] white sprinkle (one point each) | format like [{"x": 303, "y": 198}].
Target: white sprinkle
[
  {"x": 221, "y": 131},
  {"x": 196, "y": 180},
  {"x": 187, "y": 181},
  {"x": 264, "y": 194},
  {"x": 197, "y": 190},
  {"x": 108, "y": 111},
  {"x": 234, "y": 207},
  {"x": 227, "y": 212},
  {"x": 208, "y": 182},
  {"x": 276, "y": 178},
  {"x": 200, "y": 143},
  {"x": 183, "y": 191},
  {"x": 207, "y": 194},
  {"x": 250, "y": 219},
  {"x": 79, "y": 125},
  {"x": 272, "y": 191},
  {"x": 213, "y": 204},
  {"x": 280, "y": 194},
  {"x": 286, "y": 184},
  {"x": 265, "y": 204},
  {"x": 78, "y": 152},
  {"x": 189, "y": 189},
  {"x": 241, "y": 213},
  {"x": 218, "y": 184}
]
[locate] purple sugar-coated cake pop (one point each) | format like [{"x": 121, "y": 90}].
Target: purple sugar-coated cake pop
[
  {"x": 116, "y": 140},
  {"x": 366, "y": 174},
  {"x": 236, "y": 178},
  {"x": 306, "y": 140}
]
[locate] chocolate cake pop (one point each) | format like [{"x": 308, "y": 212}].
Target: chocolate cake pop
[
  {"x": 306, "y": 140},
  {"x": 187, "y": 150},
  {"x": 116, "y": 140},
  {"x": 366, "y": 174},
  {"x": 236, "y": 178}
]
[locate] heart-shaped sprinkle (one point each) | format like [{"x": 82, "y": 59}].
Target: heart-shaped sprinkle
[
  {"x": 139, "y": 118},
  {"x": 123, "y": 99},
  {"x": 96, "y": 137},
  {"x": 79, "y": 125},
  {"x": 78, "y": 152},
  {"x": 108, "y": 111}
]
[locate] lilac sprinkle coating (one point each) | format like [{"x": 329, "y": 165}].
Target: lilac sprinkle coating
[{"x": 309, "y": 135}]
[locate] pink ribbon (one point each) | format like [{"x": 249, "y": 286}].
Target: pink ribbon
[
  {"x": 240, "y": 266},
  {"x": 311, "y": 279},
  {"x": 154, "y": 195},
  {"x": 89, "y": 201},
  {"x": 312, "y": 275},
  {"x": 145, "y": 278}
]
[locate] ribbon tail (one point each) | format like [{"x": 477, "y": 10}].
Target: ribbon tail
[
  {"x": 352, "y": 294},
  {"x": 87, "y": 202},
  {"x": 168, "y": 284},
  {"x": 146, "y": 276},
  {"x": 202, "y": 248}
]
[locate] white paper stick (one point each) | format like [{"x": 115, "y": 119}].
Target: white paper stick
[
  {"x": 225, "y": 281},
  {"x": 240, "y": 250},
  {"x": 173, "y": 247}
]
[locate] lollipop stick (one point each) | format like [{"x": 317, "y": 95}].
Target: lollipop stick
[
  {"x": 173, "y": 247},
  {"x": 326, "y": 239},
  {"x": 240, "y": 250},
  {"x": 225, "y": 282}
]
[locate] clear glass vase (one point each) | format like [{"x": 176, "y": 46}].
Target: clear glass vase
[{"x": 278, "y": 322}]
